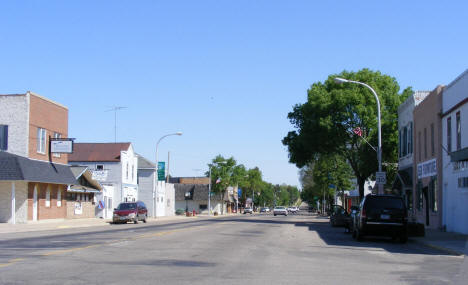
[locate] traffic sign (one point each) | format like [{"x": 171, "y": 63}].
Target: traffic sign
[{"x": 381, "y": 177}]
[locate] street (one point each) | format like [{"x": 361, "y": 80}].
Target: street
[{"x": 249, "y": 249}]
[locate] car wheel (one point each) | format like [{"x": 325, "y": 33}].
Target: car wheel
[
  {"x": 274, "y": 215},
  {"x": 136, "y": 220},
  {"x": 354, "y": 234},
  {"x": 144, "y": 219}
]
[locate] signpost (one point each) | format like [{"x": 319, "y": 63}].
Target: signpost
[
  {"x": 381, "y": 177},
  {"x": 161, "y": 170}
]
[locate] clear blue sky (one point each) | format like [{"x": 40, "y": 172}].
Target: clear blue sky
[{"x": 225, "y": 73}]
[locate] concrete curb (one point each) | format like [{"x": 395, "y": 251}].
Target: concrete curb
[{"x": 438, "y": 247}]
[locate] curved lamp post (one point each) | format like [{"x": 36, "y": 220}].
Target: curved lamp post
[
  {"x": 155, "y": 186},
  {"x": 379, "y": 148}
]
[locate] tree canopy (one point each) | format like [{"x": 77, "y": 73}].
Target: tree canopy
[{"x": 325, "y": 123}]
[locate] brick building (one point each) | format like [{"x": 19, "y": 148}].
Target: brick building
[
  {"x": 33, "y": 182},
  {"x": 427, "y": 160}
]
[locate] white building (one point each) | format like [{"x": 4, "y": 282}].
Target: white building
[
  {"x": 455, "y": 154},
  {"x": 161, "y": 201},
  {"x": 115, "y": 166},
  {"x": 403, "y": 183}
]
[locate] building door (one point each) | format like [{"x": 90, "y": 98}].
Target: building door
[
  {"x": 35, "y": 203},
  {"x": 426, "y": 204}
]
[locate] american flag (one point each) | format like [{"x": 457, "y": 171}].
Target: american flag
[
  {"x": 358, "y": 131},
  {"x": 218, "y": 180}
]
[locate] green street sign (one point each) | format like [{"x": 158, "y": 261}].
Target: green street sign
[{"x": 161, "y": 170}]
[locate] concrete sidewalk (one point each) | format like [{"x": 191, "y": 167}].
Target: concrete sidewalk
[
  {"x": 451, "y": 243},
  {"x": 58, "y": 224}
]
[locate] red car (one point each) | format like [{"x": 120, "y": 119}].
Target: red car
[{"x": 130, "y": 212}]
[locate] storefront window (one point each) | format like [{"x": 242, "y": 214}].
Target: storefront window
[
  {"x": 433, "y": 194},
  {"x": 420, "y": 196}
]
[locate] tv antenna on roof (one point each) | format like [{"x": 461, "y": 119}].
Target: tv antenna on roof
[{"x": 115, "y": 109}]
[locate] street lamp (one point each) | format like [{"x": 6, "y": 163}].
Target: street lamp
[
  {"x": 155, "y": 185},
  {"x": 379, "y": 148}
]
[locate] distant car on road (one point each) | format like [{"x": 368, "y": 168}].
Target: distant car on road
[
  {"x": 130, "y": 212},
  {"x": 338, "y": 216},
  {"x": 280, "y": 210},
  {"x": 383, "y": 215},
  {"x": 265, "y": 210},
  {"x": 248, "y": 211},
  {"x": 293, "y": 210}
]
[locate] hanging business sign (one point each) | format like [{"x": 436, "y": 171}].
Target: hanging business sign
[
  {"x": 427, "y": 168},
  {"x": 61, "y": 145},
  {"x": 99, "y": 175}
]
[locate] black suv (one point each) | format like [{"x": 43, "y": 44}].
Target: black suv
[{"x": 382, "y": 215}]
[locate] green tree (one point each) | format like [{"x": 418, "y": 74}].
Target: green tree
[{"x": 325, "y": 123}]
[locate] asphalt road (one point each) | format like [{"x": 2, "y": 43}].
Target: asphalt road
[{"x": 257, "y": 249}]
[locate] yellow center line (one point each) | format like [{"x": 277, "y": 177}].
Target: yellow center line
[{"x": 11, "y": 262}]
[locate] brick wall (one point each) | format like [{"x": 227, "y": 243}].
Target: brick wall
[
  {"x": 43, "y": 212},
  {"x": 88, "y": 210},
  {"x": 51, "y": 116}
]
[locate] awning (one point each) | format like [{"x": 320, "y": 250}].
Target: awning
[
  {"x": 459, "y": 155},
  {"x": 403, "y": 179},
  {"x": 81, "y": 189}
]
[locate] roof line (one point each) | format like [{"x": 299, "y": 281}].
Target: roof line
[{"x": 47, "y": 99}]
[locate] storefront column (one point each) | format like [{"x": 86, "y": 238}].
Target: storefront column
[{"x": 13, "y": 203}]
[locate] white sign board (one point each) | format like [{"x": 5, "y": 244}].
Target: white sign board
[
  {"x": 427, "y": 168},
  {"x": 61, "y": 146},
  {"x": 100, "y": 175},
  {"x": 78, "y": 208},
  {"x": 381, "y": 177}
]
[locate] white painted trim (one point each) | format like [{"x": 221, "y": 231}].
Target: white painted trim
[
  {"x": 35, "y": 206},
  {"x": 13, "y": 203}
]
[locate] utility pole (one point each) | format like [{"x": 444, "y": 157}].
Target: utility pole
[{"x": 115, "y": 109}]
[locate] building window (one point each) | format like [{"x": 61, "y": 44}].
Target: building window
[
  {"x": 126, "y": 168},
  {"x": 449, "y": 134},
  {"x": 99, "y": 167},
  {"x": 432, "y": 140},
  {"x": 3, "y": 137},
  {"x": 133, "y": 172},
  {"x": 425, "y": 143},
  {"x": 458, "y": 131},
  {"x": 419, "y": 145},
  {"x": 168, "y": 202},
  {"x": 420, "y": 196},
  {"x": 433, "y": 195},
  {"x": 47, "y": 197},
  {"x": 463, "y": 182},
  {"x": 405, "y": 141},
  {"x": 41, "y": 140},
  {"x": 59, "y": 198},
  {"x": 109, "y": 203},
  {"x": 410, "y": 138},
  {"x": 400, "y": 146}
]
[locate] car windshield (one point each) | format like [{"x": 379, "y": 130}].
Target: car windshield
[
  {"x": 127, "y": 206},
  {"x": 385, "y": 203}
]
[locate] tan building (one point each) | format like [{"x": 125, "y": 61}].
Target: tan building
[
  {"x": 427, "y": 157},
  {"x": 33, "y": 182}
]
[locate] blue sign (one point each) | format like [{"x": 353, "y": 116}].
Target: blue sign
[
  {"x": 331, "y": 186},
  {"x": 239, "y": 192}
]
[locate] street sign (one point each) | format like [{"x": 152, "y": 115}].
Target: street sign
[
  {"x": 161, "y": 170},
  {"x": 381, "y": 177},
  {"x": 331, "y": 186}
]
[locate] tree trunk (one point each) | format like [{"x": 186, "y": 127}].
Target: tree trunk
[{"x": 361, "y": 182}]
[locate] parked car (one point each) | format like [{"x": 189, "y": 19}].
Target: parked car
[
  {"x": 130, "y": 212},
  {"x": 293, "y": 210},
  {"x": 349, "y": 220},
  {"x": 265, "y": 210},
  {"x": 248, "y": 211},
  {"x": 383, "y": 215},
  {"x": 280, "y": 210},
  {"x": 338, "y": 216}
]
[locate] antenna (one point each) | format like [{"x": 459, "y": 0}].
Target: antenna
[{"x": 115, "y": 109}]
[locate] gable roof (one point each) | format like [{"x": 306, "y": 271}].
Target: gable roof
[
  {"x": 145, "y": 163},
  {"x": 99, "y": 152},
  {"x": 15, "y": 167}
]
